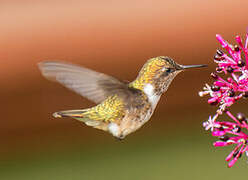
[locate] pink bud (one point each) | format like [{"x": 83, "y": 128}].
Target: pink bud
[
  {"x": 239, "y": 41},
  {"x": 219, "y": 83},
  {"x": 232, "y": 162},
  {"x": 229, "y": 157},
  {"x": 221, "y": 40},
  {"x": 220, "y": 144},
  {"x": 213, "y": 101},
  {"x": 218, "y": 133}
]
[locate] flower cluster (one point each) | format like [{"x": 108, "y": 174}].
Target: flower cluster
[{"x": 225, "y": 92}]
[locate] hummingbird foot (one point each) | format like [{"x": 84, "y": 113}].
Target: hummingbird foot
[{"x": 119, "y": 138}]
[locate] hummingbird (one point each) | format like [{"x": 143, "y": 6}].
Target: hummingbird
[{"x": 121, "y": 107}]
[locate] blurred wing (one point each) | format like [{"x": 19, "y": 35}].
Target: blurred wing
[{"x": 93, "y": 85}]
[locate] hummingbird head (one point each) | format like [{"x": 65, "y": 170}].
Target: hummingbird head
[
  {"x": 170, "y": 66},
  {"x": 159, "y": 72}
]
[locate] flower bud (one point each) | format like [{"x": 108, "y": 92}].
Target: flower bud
[
  {"x": 241, "y": 117},
  {"x": 215, "y": 88},
  {"x": 236, "y": 153},
  {"x": 214, "y": 75},
  {"x": 213, "y": 101},
  {"x": 241, "y": 63},
  {"x": 219, "y": 69},
  {"x": 236, "y": 48},
  {"x": 218, "y": 58},
  {"x": 245, "y": 94},
  {"x": 224, "y": 138},
  {"x": 236, "y": 129},
  {"x": 219, "y": 52},
  {"x": 229, "y": 69},
  {"x": 219, "y": 143},
  {"x": 231, "y": 93}
]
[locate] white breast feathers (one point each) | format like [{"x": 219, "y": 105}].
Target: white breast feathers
[{"x": 153, "y": 98}]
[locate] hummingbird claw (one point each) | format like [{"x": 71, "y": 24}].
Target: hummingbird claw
[{"x": 120, "y": 138}]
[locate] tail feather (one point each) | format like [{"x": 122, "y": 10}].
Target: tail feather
[
  {"x": 83, "y": 116},
  {"x": 69, "y": 113}
]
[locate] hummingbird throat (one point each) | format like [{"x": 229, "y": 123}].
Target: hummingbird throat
[{"x": 151, "y": 94}]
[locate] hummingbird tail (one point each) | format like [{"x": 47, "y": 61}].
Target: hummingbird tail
[
  {"x": 69, "y": 113},
  {"x": 79, "y": 115}
]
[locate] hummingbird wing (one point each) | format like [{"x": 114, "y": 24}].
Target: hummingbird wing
[{"x": 92, "y": 85}]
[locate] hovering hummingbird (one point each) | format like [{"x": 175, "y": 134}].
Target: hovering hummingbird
[{"x": 121, "y": 108}]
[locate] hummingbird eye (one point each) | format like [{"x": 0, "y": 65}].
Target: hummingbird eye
[{"x": 168, "y": 70}]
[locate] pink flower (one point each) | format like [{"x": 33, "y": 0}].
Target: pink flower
[{"x": 225, "y": 92}]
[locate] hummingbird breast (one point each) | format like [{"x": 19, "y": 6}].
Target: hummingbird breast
[
  {"x": 139, "y": 112},
  {"x": 135, "y": 119}
]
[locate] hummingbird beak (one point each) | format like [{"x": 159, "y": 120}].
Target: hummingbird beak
[{"x": 193, "y": 66}]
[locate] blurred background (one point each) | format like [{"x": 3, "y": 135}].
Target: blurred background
[{"x": 114, "y": 37}]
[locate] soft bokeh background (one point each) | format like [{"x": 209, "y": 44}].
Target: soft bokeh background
[{"x": 114, "y": 37}]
